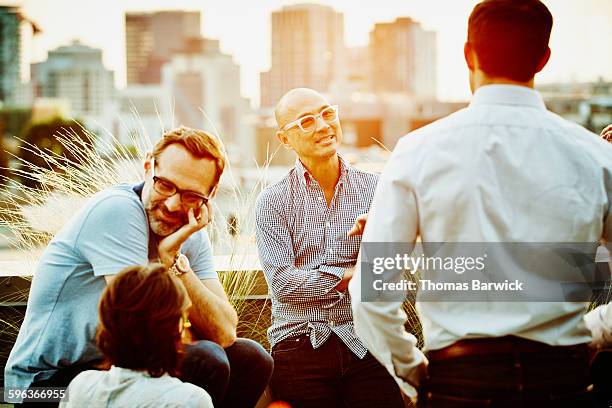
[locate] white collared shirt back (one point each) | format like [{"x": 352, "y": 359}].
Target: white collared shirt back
[{"x": 504, "y": 169}]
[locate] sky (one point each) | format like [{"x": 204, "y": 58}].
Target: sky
[{"x": 580, "y": 40}]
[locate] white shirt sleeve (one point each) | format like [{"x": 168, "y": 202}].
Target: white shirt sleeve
[
  {"x": 393, "y": 218},
  {"x": 79, "y": 388},
  {"x": 199, "y": 398}
]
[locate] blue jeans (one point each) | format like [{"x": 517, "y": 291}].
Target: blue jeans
[
  {"x": 330, "y": 376},
  {"x": 234, "y": 377}
]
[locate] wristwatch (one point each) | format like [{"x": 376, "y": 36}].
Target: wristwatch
[{"x": 180, "y": 266}]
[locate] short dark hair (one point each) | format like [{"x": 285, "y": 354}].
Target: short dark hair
[
  {"x": 140, "y": 312},
  {"x": 510, "y": 37}
]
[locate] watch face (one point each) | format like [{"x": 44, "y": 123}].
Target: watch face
[{"x": 182, "y": 263}]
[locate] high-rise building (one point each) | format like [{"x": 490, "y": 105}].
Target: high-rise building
[
  {"x": 204, "y": 85},
  {"x": 76, "y": 73},
  {"x": 307, "y": 50},
  {"x": 144, "y": 112},
  {"x": 403, "y": 58},
  {"x": 152, "y": 38},
  {"x": 10, "y": 38}
]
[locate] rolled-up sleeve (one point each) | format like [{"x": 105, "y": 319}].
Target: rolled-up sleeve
[
  {"x": 286, "y": 282},
  {"x": 393, "y": 218}
]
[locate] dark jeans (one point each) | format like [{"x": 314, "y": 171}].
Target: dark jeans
[
  {"x": 553, "y": 377},
  {"x": 234, "y": 377},
  {"x": 601, "y": 370},
  {"x": 330, "y": 376}
]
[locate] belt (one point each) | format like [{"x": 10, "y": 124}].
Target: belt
[{"x": 499, "y": 345}]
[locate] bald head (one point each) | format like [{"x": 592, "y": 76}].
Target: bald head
[
  {"x": 290, "y": 105},
  {"x": 321, "y": 140}
]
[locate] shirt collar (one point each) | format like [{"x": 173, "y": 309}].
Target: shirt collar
[
  {"x": 153, "y": 237},
  {"x": 126, "y": 373},
  {"x": 507, "y": 95},
  {"x": 302, "y": 171},
  {"x": 304, "y": 175},
  {"x": 137, "y": 188}
]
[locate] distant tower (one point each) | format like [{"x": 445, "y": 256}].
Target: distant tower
[
  {"x": 76, "y": 73},
  {"x": 307, "y": 50},
  {"x": 152, "y": 38},
  {"x": 402, "y": 58},
  {"x": 205, "y": 86},
  {"x": 10, "y": 56}
]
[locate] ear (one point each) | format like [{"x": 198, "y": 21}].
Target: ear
[
  {"x": 147, "y": 162},
  {"x": 468, "y": 53},
  {"x": 283, "y": 139},
  {"x": 544, "y": 60}
]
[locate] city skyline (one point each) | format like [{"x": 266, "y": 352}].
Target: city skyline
[
  {"x": 306, "y": 51},
  {"x": 244, "y": 32}
]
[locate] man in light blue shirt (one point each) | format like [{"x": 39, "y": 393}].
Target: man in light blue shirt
[{"x": 162, "y": 220}]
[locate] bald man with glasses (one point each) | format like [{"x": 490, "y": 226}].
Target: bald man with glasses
[{"x": 308, "y": 235}]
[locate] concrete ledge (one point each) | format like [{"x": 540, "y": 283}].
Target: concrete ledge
[
  {"x": 16, "y": 275},
  {"x": 24, "y": 264}
]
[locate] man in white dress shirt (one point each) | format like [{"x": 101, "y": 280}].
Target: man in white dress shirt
[{"x": 504, "y": 169}]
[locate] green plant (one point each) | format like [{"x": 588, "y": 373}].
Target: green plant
[
  {"x": 4, "y": 159},
  {"x": 14, "y": 120},
  {"x": 43, "y": 136},
  {"x": 57, "y": 183}
]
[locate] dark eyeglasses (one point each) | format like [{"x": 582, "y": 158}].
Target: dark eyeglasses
[{"x": 166, "y": 188}]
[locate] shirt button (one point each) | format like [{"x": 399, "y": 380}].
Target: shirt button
[
  {"x": 331, "y": 251},
  {"x": 320, "y": 198},
  {"x": 327, "y": 224},
  {"x": 332, "y": 324}
]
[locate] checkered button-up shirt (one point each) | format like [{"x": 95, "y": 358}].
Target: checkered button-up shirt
[{"x": 304, "y": 250}]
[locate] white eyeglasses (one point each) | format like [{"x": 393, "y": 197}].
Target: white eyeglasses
[{"x": 308, "y": 123}]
